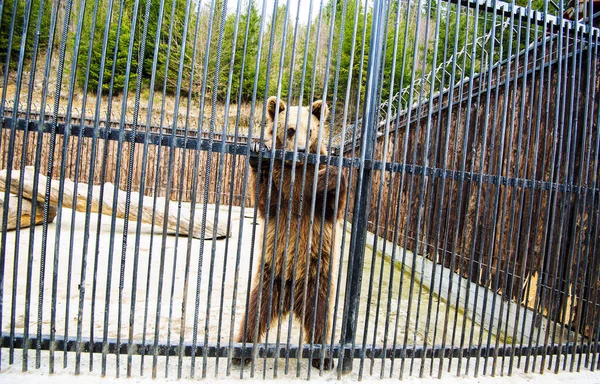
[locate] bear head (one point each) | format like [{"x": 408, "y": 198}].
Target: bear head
[{"x": 300, "y": 120}]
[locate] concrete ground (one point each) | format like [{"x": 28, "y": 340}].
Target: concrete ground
[
  {"x": 154, "y": 279},
  {"x": 14, "y": 375}
]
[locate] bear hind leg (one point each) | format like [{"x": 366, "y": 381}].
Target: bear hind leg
[
  {"x": 254, "y": 326},
  {"x": 321, "y": 322}
]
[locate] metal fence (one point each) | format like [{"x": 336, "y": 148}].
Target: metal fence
[{"x": 274, "y": 189}]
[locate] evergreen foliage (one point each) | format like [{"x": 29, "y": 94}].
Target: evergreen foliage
[
  {"x": 240, "y": 54},
  {"x": 19, "y": 21},
  {"x": 116, "y": 70}
]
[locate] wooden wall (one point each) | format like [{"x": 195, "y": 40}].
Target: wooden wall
[
  {"x": 499, "y": 234},
  {"x": 80, "y": 157}
]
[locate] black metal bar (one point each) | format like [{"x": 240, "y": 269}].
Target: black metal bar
[
  {"x": 84, "y": 257},
  {"x": 446, "y": 148},
  {"x": 382, "y": 187},
  {"x": 363, "y": 186},
  {"x": 11, "y": 147},
  {"x": 310, "y": 158},
  {"x": 486, "y": 144},
  {"x": 269, "y": 350},
  {"x": 463, "y": 168},
  {"x": 286, "y": 246}
]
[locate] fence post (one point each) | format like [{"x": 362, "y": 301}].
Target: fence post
[{"x": 363, "y": 188}]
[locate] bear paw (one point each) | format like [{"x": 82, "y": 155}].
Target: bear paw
[
  {"x": 327, "y": 363},
  {"x": 238, "y": 361},
  {"x": 257, "y": 146}
]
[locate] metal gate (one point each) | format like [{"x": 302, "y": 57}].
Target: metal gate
[{"x": 377, "y": 188}]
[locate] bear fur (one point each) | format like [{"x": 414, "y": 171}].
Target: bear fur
[{"x": 283, "y": 137}]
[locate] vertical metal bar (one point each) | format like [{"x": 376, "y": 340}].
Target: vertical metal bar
[
  {"x": 426, "y": 184},
  {"x": 188, "y": 253},
  {"x": 451, "y": 182},
  {"x": 308, "y": 257},
  {"x": 231, "y": 184},
  {"x": 594, "y": 363},
  {"x": 218, "y": 180},
  {"x": 83, "y": 272},
  {"x": 575, "y": 173},
  {"x": 157, "y": 180},
  {"x": 102, "y": 171},
  {"x": 499, "y": 208},
  {"x": 170, "y": 175},
  {"x": 324, "y": 202},
  {"x": 495, "y": 252},
  {"x": 130, "y": 346},
  {"x": 67, "y": 134},
  {"x": 115, "y": 203},
  {"x": 263, "y": 240},
  {"x": 105, "y": 344},
  {"x": 26, "y": 342},
  {"x": 588, "y": 116},
  {"x": 560, "y": 205},
  {"x": 296, "y": 248},
  {"x": 523, "y": 255},
  {"x": 510, "y": 277},
  {"x": 540, "y": 220},
  {"x": 504, "y": 256},
  {"x": 352, "y": 155},
  {"x": 50, "y": 168},
  {"x": 489, "y": 206},
  {"x": 363, "y": 186},
  {"x": 554, "y": 175},
  {"x": 130, "y": 167},
  {"x": 456, "y": 247},
  {"x": 280, "y": 188},
  {"x": 593, "y": 221},
  {"x": 401, "y": 188},
  {"x": 421, "y": 13},
  {"x": 433, "y": 189},
  {"x": 9, "y": 169},
  {"x": 576, "y": 178},
  {"x": 244, "y": 192},
  {"x": 392, "y": 179},
  {"x": 468, "y": 186},
  {"x": 337, "y": 188},
  {"x": 380, "y": 200},
  {"x": 261, "y": 135},
  {"x": 289, "y": 207}
]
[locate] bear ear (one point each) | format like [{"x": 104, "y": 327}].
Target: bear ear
[
  {"x": 271, "y": 106},
  {"x": 317, "y": 107}
]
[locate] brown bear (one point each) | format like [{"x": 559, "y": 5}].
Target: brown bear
[{"x": 310, "y": 283}]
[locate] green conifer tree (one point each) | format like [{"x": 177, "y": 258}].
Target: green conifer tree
[{"x": 19, "y": 22}]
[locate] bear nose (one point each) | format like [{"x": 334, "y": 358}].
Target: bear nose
[{"x": 301, "y": 148}]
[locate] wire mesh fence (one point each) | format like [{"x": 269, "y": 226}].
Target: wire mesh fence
[{"x": 278, "y": 189}]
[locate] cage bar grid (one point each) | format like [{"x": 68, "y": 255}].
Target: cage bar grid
[{"x": 366, "y": 188}]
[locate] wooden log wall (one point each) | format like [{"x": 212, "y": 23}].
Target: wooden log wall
[
  {"x": 500, "y": 234},
  {"x": 80, "y": 157}
]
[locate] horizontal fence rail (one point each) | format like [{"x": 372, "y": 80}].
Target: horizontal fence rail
[{"x": 299, "y": 188}]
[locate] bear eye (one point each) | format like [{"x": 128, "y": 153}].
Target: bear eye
[{"x": 290, "y": 132}]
